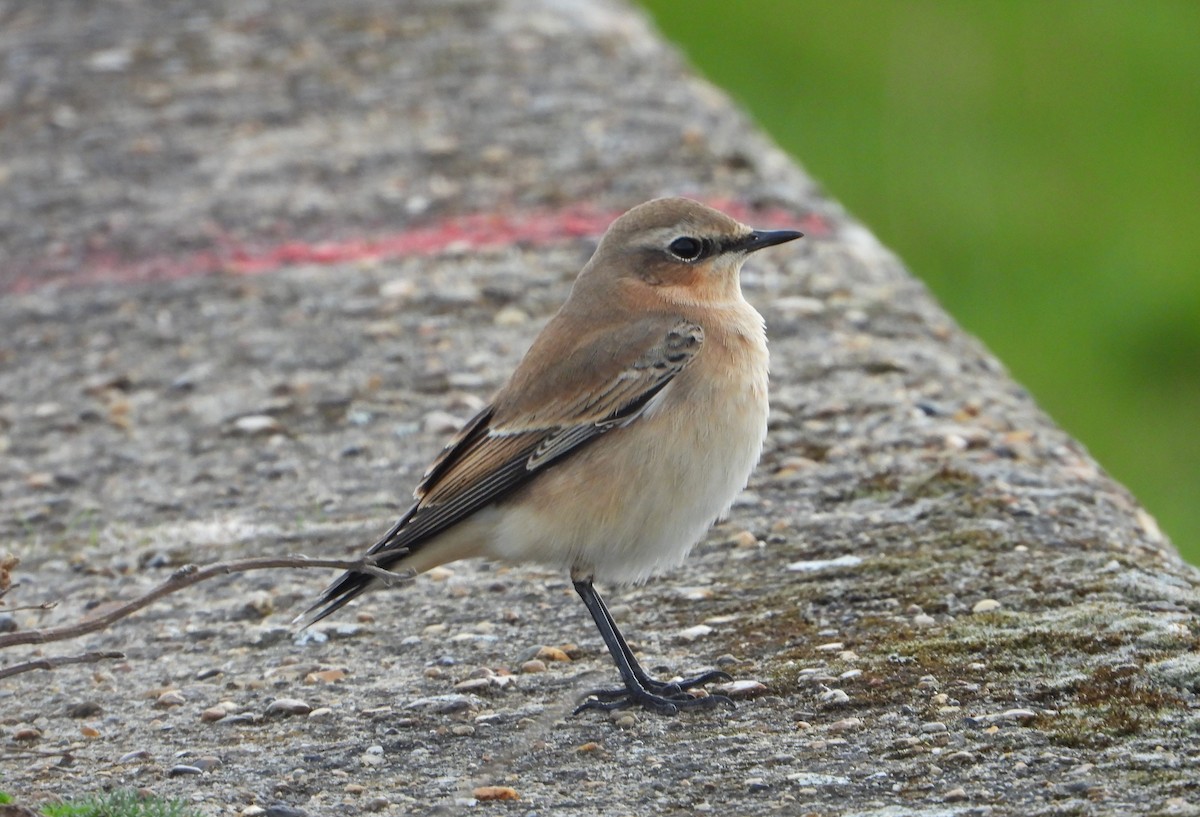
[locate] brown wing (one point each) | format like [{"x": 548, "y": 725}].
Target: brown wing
[{"x": 615, "y": 376}]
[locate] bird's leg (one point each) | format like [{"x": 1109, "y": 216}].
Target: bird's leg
[
  {"x": 664, "y": 697},
  {"x": 659, "y": 687}
]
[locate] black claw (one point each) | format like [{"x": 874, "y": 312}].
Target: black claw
[
  {"x": 607, "y": 694},
  {"x": 655, "y": 703},
  {"x": 664, "y": 689},
  {"x": 705, "y": 678},
  {"x": 662, "y": 706},
  {"x": 664, "y": 698}
]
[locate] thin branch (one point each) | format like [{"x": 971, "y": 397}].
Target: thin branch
[
  {"x": 15, "y": 751},
  {"x": 188, "y": 575},
  {"x": 45, "y": 605},
  {"x": 60, "y": 661}
]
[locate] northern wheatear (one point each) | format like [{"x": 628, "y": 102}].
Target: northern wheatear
[{"x": 627, "y": 429}]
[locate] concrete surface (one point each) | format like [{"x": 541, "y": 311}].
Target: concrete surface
[{"x": 258, "y": 259}]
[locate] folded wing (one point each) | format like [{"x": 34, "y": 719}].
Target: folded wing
[{"x": 605, "y": 382}]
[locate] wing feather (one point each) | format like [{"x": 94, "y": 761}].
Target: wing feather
[{"x": 492, "y": 456}]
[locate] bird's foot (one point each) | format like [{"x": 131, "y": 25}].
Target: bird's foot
[
  {"x": 665, "y": 688},
  {"x": 662, "y": 697}
]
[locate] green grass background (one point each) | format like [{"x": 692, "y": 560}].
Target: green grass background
[{"x": 1036, "y": 162}]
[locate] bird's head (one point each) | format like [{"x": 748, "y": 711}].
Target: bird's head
[{"x": 682, "y": 249}]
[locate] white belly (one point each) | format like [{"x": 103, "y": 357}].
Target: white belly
[{"x": 636, "y": 500}]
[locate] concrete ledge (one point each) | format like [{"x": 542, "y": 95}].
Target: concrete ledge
[{"x": 347, "y": 221}]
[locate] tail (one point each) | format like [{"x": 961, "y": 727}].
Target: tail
[
  {"x": 352, "y": 584},
  {"x": 349, "y": 586}
]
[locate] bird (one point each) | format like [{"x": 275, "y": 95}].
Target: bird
[{"x": 627, "y": 429}]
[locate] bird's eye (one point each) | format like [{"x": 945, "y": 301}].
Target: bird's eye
[{"x": 686, "y": 248}]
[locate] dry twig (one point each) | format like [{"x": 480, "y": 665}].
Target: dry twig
[
  {"x": 186, "y": 576},
  {"x": 60, "y": 661}
]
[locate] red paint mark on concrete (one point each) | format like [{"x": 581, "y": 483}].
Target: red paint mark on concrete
[{"x": 480, "y": 231}]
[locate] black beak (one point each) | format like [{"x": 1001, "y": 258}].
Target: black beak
[{"x": 759, "y": 239}]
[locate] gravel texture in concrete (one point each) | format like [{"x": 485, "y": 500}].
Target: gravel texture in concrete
[{"x": 261, "y": 258}]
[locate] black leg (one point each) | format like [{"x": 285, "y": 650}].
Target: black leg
[
  {"x": 663, "y": 697},
  {"x": 660, "y": 687}
]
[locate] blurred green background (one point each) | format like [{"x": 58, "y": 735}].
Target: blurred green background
[{"x": 1036, "y": 162}]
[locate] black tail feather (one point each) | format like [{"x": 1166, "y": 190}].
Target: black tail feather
[
  {"x": 349, "y": 586},
  {"x": 352, "y": 584}
]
